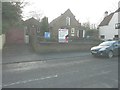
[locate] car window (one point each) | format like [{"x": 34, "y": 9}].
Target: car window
[
  {"x": 117, "y": 44},
  {"x": 106, "y": 44}
]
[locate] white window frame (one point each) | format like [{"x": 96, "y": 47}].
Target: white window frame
[
  {"x": 68, "y": 21},
  {"x": 72, "y": 30},
  {"x": 72, "y": 34}
]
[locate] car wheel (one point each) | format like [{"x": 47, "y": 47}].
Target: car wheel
[{"x": 110, "y": 54}]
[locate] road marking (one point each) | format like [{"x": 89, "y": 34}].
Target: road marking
[{"x": 27, "y": 81}]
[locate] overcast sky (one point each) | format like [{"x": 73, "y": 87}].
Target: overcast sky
[{"x": 84, "y": 10}]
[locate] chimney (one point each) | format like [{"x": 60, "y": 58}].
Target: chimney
[{"x": 106, "y": 14}]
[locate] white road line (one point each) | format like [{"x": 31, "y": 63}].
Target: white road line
[{"x": 27, "y": 81}]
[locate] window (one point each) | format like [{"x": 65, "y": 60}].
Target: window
[
  {"x": 102, "y": 36},
  {"x": 68, "y": 21},
  {"x": 72, "y": 35},
  {"x": 72, "y": 30},
  {"x": 116, "y": 36},
  {"x": 38, "y": 30},
  {"x": 117, "y": 26}
]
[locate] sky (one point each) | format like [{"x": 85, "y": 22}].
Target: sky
[{"x": 84, "y": 10}]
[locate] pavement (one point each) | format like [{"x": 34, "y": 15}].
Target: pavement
[{"x": 23, "y": 53}]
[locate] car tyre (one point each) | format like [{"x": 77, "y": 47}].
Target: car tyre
[{"x": 110, "y": 54}]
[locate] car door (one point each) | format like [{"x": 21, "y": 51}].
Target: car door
[
  {"x": 115, "y": 48},
  {"x": 119, "y": 48}
]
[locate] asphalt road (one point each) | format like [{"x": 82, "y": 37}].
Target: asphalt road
[{"x": 65, "y": 72}]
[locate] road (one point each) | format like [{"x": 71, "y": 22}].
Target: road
[{"x": 73, "y": 71}]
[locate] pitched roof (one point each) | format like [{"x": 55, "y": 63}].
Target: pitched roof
[
  {"x": 68, "y": 11},
  {"x": 55, "y": 20},
  {"x": 118, "y": 10},
  {"x": 32, "y": 21},
  {"x": 107, "y": 19}
]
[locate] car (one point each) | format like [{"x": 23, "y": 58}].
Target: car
[{"x": 107, "y": 49}]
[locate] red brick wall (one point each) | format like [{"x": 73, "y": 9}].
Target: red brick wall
[{"x": 15, "y": 36}]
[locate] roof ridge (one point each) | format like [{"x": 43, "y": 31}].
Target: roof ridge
[
  {"x": 106, "y": 19},
  {"x": 60, "y": 15},
  {"x": 118, "y": 10}
]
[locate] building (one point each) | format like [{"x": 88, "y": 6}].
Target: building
[
  {"x": 31, "y": 29},
  {"x": 19, "y": 34},
  {"x": 31, "y": 26},
  {"x": 107, "y": 28},
  {"x": 66, "y": 21}
]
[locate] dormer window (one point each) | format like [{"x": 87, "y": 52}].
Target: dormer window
[{"x": 68, "y": 21}]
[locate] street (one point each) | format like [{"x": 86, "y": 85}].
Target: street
[
  {"x": 54, "y": 44},
  {"x": 72, "y": 71}
]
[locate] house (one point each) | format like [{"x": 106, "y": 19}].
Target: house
[
  {"x": 18, "y": 34},
  {"x": 66, "y": 21},
  {"x": 31, "y": 29},
  {"x": 107, "y": 28},
  {"x": 31, "y": 26}
]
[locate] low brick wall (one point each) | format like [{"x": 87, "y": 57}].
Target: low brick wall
[{"x": 64, "y": 47}]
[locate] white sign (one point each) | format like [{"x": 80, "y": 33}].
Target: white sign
[{"x": 63, "y": 35}]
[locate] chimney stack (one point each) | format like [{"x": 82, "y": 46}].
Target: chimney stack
[{"x": 106, "y": 14}]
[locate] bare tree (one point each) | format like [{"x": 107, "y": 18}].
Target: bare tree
[{"x": 36, "y": 14}]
